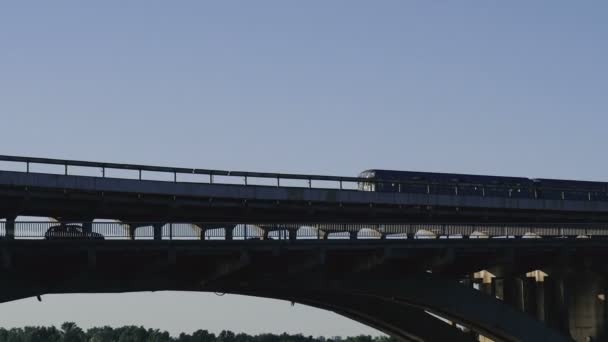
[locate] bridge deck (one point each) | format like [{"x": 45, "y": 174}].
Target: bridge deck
[
  {"x": 235, "y": 196},
  {"x": 127, "y": 199}
]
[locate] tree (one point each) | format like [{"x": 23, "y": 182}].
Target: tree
[
  {"x": 72, "y": 333},
  {"x": 42, "y": 334},
  {"x": 203, "y": 336},
  {"x": 104, "y": 334}
]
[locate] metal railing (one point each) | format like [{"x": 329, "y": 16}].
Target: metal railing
[
  {"x": 246, "y": 178},
  {"x": 288, "y": 231}
]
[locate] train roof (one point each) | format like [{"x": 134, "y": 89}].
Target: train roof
[
  {"x": 394, "y": 173},
  {"x": 383, "y": 173},
  {"x": 565, "y": 182}
]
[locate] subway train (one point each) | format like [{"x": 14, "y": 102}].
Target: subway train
[{"x": 480, "y": 185}]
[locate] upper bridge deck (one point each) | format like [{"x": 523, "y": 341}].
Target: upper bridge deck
[{"x": 87, "y": 190}]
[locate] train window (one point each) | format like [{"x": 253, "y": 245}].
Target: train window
[{"x": 365, "y": 186}]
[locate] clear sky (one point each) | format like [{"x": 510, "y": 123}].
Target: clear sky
[{"x": 331, "y": 87}]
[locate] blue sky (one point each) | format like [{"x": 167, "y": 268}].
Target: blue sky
[{"x": 332, "y": 87}]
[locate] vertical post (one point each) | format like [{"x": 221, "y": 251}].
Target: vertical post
[
  {"x": 245, "y": 180},
  {"x": 202, "y": 233},
  {"x": 340, "y": 184},
  {"x": 10, "y": 228},
  {"x": 174, "y": 176},
  {"x": 139, "y": 174},
  {"x": 66, "y": 169},
  {"x": 170, "y": 231},
  {"x": 27, "y": 167},
  {"x": 132, "y": 229},
  {"x": 158, "y": 231},
  {"x": 309, "y": 183},
  {"x": 229, "y": 232},
  {"x": 87, "y": 228},
  {"x": 103, "y": 172},
  {"x": 278, "y": 182}
]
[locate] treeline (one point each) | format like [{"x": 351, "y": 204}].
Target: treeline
[{"x": 70, "y": 332}]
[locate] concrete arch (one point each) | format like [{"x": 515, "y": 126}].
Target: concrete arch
[
  {"x": 483, "y": 314},
  {"x": 356, "y": 298},
  {"x": 400, "y": 321}
]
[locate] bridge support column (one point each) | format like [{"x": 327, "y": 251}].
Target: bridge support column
[
  {"x": 485, "y": 288},
  {"x": 293, "y": 234},
  {"x": 10, "y": 228},
  {"x": 540, "y": 301},
  {"x": 556, "y": 310},
  {"x": 497, "y": 288},
  {"x": 586, "y": 312},
  {"x": 352, "y": 235},
  {"x": 513, "y": 292},
  {"x": 530, "y": 293},
  {"x": 484, "y": 282}
]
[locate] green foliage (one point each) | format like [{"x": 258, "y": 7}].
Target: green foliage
[{"x": 70, "y": 332}]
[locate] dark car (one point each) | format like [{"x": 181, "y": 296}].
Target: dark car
[{"x": 70, "y": 232}]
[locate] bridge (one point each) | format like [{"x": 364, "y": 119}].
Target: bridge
[{"x": 420, "y": 267}]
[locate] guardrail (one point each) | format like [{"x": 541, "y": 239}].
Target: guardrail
[
  {"x": 175, "y": 171},
  {"x": 313, "y": 181},
  {"x": 289, "y": 231}
]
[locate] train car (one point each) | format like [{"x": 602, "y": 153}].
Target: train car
[
  {"x": 571, "y": 190},
  {"x": 446, "y": 183},
  {"x": 481, "y": 185}
]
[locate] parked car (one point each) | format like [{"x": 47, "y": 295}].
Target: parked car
[{"x": 70, "y": 232}]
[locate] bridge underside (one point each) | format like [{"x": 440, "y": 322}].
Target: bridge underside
[{"x": 393, "y": 295}]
